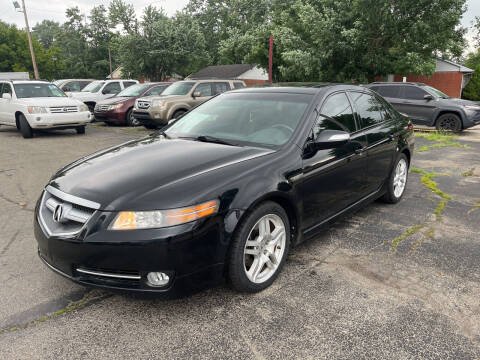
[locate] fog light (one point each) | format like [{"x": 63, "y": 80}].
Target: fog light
[
  {"x": 38, "y": 118},
  {"x": 157, "y": 279},
  {"x": 158, "y": 116}
]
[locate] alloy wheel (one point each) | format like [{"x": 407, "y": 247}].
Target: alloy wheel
[
  {"x": 264, "y": 248},
  {"x": 400, "y": 178}
]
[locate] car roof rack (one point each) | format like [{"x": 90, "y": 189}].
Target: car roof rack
[{"x": 395, "y": 83}]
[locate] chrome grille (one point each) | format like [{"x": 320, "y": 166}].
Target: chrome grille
[
  {"x": 102, "y": 108},
  {"x": 144, "y": 105},
  {"x": 63, "y": 109},
  {"x": 61, "y": 214}
]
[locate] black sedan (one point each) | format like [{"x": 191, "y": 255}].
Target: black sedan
[{"x": 224, "y": 192}]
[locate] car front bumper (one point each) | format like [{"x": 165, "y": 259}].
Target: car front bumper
[
  {"x": 192, "y": 255},
  {"x": 152, "y": 117},
  {"x": 472, "y": 118},
  {"x": 60, "y": 120},
  {"x": 114, "y": 116}
]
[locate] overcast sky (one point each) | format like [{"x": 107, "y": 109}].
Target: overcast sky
[{"x": 55, "y": 10}]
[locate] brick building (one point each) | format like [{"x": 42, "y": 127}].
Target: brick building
[
  {"x": 449, "y": 77},
  {"x": 249, "y": 73}
]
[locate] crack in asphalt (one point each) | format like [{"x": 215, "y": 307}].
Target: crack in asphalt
[
  {"x": 10, "y": 242},
  {"x": 22, "y": 205},
  {"x": 88, "y": 298}
]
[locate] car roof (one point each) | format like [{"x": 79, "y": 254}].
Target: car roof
[
  {"x": 28, "y": 81},
  {"x": 396, "y": 83},
  {"x": 298, "y": 88}
]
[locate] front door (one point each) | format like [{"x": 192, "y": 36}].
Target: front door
[
  {"x": 333, "y": 179},
  {"x": 414, "y": 104},
  {"x": 204, "y": 92}
]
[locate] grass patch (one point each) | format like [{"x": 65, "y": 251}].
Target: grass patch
[
  {"x": 476, "y": 206},
  {"x": 429, "y": 183},
  {"x": 442, "y": 140},
  {"x": 408, "y": 233},
  {"x": 468, "y": 172}
]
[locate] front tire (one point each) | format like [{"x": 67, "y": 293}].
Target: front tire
[
  {"x": 259, "y": 248},
  {"x": 130, "y": 119},
  {"x": 397, "y": 182},
  {"x": 449, "y": 122},
  {"x": 25, "y": 128}
]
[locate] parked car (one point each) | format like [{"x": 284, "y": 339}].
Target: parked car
[
  {"x": 31, "y": 105},
  {"x": 429, "y": 106},
  {"x": 100, "y": 90},
  {"x": 224, "y": 191},
  {"x": 119, "y": 109},
  {"x": 177, "y": 99},
  {"x": 72, "y": 85}
]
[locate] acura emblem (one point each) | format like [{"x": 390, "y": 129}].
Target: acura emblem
[
  {"x": 58, "y": 213},
  {"x": 65, "y": 109}
]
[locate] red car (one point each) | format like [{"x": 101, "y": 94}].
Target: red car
[{"x": 118, "y": 109}]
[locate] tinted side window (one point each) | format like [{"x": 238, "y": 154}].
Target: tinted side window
[
  {"x": 368, "y": 108},
  {"x": 238, "y": 85},
  {"x": 221, "y": 87},
  {"x": 338, "y": 109},
  {"x": 413, "y": 93},
  {"x": 391, "y": 91},
  {"x": 157, "y": 90},
  {"x": 72, "y": 86},
  {"x": 205, "y": 89},
  {"x": 112, "y": 88},
  {"x": 6, "y": 89},
  {"x": 83, "y": 84},
  {"x": 128, "y": 83}
]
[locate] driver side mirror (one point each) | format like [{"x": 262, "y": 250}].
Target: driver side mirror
[
  {"x": 428, "y": 97},
  {"x": 329, "y": 139},
  {"x": 196, "y": 94},
  {"x": 7, "y": 96}
]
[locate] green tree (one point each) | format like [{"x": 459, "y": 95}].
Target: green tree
[
  {"x": 121, "y": 13},
  {"x": 472, "y": 90},
  {"x": 47, "y": 32}
]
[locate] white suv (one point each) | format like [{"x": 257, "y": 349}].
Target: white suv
[
  {"x": 100, "y": 90},
  {"x": 30, "y": 105}
]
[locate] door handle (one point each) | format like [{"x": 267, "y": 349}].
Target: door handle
[{"x": 359, "y": 151}]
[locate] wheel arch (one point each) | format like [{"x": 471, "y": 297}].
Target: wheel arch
[{"x": 449, "y": 111}]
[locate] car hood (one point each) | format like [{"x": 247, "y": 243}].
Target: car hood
[
  {"x": 82, "y": 95},
  {"x": 456, "y": 101},
  {"x": 163, "y": 97},
  {"x": 115, "y": 100},
  {"x": 148, "y": 171},
  {"x": 50, "y": 101}
]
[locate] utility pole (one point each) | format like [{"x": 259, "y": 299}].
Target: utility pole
[
  {"x": 110, "y": 61},
  {"x": 24, "y": 10},
  {"x": 270, "y": 60}
]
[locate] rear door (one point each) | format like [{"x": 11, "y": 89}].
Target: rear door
[
  {"x": 333, "y": 179},
  {"x": 6, "y": 109},
  {"x": 379, "y": 126},
  {"x": 391, "y": 93},
  {"x": 220, "y": 87}
]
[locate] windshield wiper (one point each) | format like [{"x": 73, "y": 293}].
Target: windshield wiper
[{"x": 213, "y": 139}]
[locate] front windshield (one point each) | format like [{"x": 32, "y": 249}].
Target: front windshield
[
  {"x": 134, "y": 90},
  {"x": 254, "y": 118},
  {"x": 435, "y": 92},
  {"x": 93, "y": 86},
  {"x": 179, "y": 88},
  {"x": 37, "y": 90}
]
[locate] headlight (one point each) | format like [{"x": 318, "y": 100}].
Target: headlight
[
  {"x": 132, "y": 220},
  {"x": 84, "y": 107},
  {"x": 113, "y": 107},
  {"x": 37, "y": 110},
  {"x": 473, "y": 107},
  {"x": 159, "y": 103}
]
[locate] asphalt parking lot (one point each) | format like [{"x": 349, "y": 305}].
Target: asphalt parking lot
[{"x": 392, "y": 281}]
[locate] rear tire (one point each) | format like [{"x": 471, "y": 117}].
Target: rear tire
[
  {"x": 25, "y": 128},
  {"x": 80, "y": 130},
  {"x": 397, "y": 182},
  {"x": 255, "y": 265},
  {"x": 449, "y": 122}
]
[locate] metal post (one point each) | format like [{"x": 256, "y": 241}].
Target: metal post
[
  {"x": 35, "y": 70},
  {"x": 110, "y": 61},
  {"x": 54, "y": 57},
  {"x": 270, "y": 60}
]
